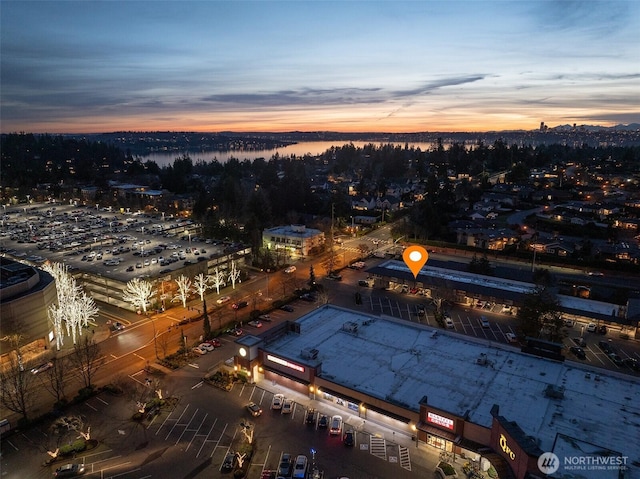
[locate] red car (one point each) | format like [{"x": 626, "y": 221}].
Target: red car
[{"x": 215, "y": 343}]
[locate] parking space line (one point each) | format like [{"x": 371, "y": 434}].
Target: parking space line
[
  {"x": 219, "y": 439},
  {"x": 206, "y": 439},
  {"x": 177, "y": 420},
  {"x": 197, "y": 430},
  {"x": 187, "y": 426}
]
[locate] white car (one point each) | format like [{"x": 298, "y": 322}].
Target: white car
[
  {"x": 199, "y": 350},
  {"x": 287, "y": 406},
  {"x": 207, "y": 347},
  {"x": 591, "y": 327},
  {"x": 511, "y": 338},
  {"x": 223, "y": 299},
  {"x": 484, "y": 322},
  {"x": 448, "y": 322},
  {"x": 277, "y": 401},
  {"x": 290, "y": 269},
  {"x": 336, "y": 425}
]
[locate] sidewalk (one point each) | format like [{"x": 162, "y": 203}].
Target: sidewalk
[{"x": 422, "y": 455}]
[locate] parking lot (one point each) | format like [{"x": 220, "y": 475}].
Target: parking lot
[{"x": 122, "y": 245}]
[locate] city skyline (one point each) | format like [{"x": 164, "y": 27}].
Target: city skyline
[{"x": 84, "y": 67}]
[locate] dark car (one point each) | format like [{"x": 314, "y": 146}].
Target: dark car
[
  {"x": 310, "y": 417},
  {"x": 580, "y": 342},
  {"x": 129, "y": 269},
  {"x": 349, "y": 438},
  {"x": 284, "y": 469},
  {"x": 617, "y": 360},
  {"x": 287, "y": 308},
  {"x": 323, "y": 422},
  {"x": 632, "y": 363},
  {"x": 605, "y": 346},
  {"x": 229, "y": 461},
  {"x": 69, "y": 470},
  {"x": 240, "y": 305},
  {"x": 307, "y": 297},
  {"x": 602, "y": 329},
  {"x": 254, "y": 409},
  {"x": 578, "y": 352}
]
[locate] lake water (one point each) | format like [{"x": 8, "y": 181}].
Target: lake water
[{"x": 312, "y": 148}]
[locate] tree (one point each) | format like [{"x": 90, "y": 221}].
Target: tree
[
  {"x": 312, "y": 277},
  {"x": 87, "y": 359},
  {"x": 17, "y": 391},
  {"x": 206, "y": 324},
  {"x": 201, "y": 284},
  {"x": 217, "y": 279},
  {"x": 74, "y": 308},
  {"x": 53, "y": 379},
  {"x": 184, "y": 289},
  {"x": 540, "y": 315},
  {"x": 234, "y": 274},
  {"x": 138, "y": 292}
]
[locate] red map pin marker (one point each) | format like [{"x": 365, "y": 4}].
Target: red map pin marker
[{"x": 415, "y": 257}]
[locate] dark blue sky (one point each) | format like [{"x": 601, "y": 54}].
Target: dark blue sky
[{"x": 345, "y": 66}]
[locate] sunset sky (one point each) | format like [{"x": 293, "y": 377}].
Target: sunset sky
[{"x": 350, "y": 66}]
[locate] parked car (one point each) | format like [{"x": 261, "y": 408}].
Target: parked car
[
  {"x": 287, "y": 406},
  {"x": 289, "y": 269},
  {"x": 605, "y": 347},
  {"x": 310, "y": 418},
  {"x": 265, "y": 318},
  {"x": 568, "y": 323},
  {"x": 484, "y": 322},
  {"x": 276, "y": 402},
  {"x": 632, "y": 363},
  {"x": 254, "y": 409},
  {"x": 448, "y": 322},
  {"x": 129, "y": 269},
  {"x": 300, "y": 467},
  {"x": 229, "y": 461},
  {"x": 580, "y": 342},
  {"x": 349, "y": 438},
  {"x": 334, "y": 276},
  {"x": 507, "y": 309},
  {"x": 69, "y": 470},
  {"x": 255, "y": 324},
  {"x": 287, "y": 308},
  {"x": 118, "y": 326},
  {"x": 323, "y": 422},
  {"x": 307, "y": 297},
  {"x": 578, "y": 352},
  {"x": 511, "y": 338},
  {"x": 284, "y": 469},
  {"x": 215, "y": 343},
  {"x": 206, "y": 346},
  {"x": 223, "y": 299},
  {"x": 336, "y": 425},
  {"x": 199, "y": 350},
  {"x": 591, "y": 328},
  {"x": 617, "y": 360}
]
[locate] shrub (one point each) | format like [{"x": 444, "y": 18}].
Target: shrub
[
  {"x": 69, "y": 449},
  {"x": 447, "y": 468}
]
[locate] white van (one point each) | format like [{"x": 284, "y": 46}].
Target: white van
[{"x": 300, "y": 467}]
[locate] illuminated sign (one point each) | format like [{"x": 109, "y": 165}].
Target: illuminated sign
[
  {"x": 440, "y": 420},
  {"x": 284, "y": 362},
  {"x": 506, "y": 449}
]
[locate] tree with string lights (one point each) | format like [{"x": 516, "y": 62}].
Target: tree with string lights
[
  {"x": 138, "y": 292},
  {"x": 184, "y": 289}
]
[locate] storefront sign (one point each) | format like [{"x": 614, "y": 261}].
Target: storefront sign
[
  {"x": 285, "y": 363},
  {"x": 440, "y": 420},
  {"x": 506, "y": 449}
]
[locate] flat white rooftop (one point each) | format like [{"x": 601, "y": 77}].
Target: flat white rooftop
[{"x": 401, "y": 362}]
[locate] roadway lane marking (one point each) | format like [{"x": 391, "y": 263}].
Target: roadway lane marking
[{"x": 197, "y": 385}]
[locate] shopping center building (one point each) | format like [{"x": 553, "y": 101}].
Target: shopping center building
[{"x": 489, "y": 402}]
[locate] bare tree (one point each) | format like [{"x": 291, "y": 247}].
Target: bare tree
[
  {"x": 87, "y": 359},
  {"x": 74, "y": 308},
  {"x": 162, "y": 340},
  {"x": 234, "y": 274},
  {"x": 53, "y": 379},
  {"x": 138, "y": 293},
  {"x": 200, "y": 285},
  {"x": 184, "y": 288},
  {"x": 17, "y": 391},
  {"x": 217, "y": 279}
]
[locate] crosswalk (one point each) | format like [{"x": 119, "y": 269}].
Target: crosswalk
[
  {"x": 405, "y": 460},
  {"x": 378, "y": 447}
]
